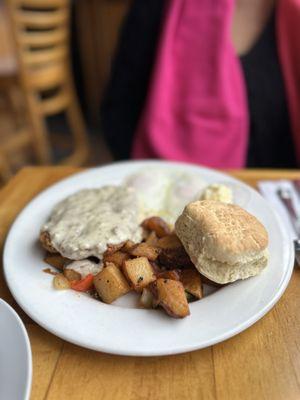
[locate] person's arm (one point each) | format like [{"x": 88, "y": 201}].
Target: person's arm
[{"x": 131, "y": 71}]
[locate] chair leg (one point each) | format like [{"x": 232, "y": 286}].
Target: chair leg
[
  {"x": 5, "y": 169},
  {"x": 39, "y": 131},
  {"x": 15, "y": 106}
]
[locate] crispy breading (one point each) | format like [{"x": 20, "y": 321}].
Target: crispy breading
[{"x": 46, "y": 242}]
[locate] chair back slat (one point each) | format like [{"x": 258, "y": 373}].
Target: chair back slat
[
  {"x": 41, "y": 19},
  {"x": 41, "y": 31},
  {"x": 40, "y": 4},
  {"x": 44, "y": 39},
  {"x": 44, "y": 57},
  {"x": 48, "y": 77}
]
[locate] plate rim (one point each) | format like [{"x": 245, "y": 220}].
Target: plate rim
[
  {"x": 178, "y": 349},
  {"x": 21, "y": 325}
]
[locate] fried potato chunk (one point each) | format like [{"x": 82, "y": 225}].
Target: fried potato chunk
[
  {"x": 170, "y": 295},
  {"x": 146, "y": 299},
  {"x": 116, "y": 258},
  {"x": 60, "y": 282},
  {"x": 158, "y": 225},
  {"x": 110, "y": 283},
  {"x": 56, "y": 260},
  {"x": 152, "y": 239},
  {"x": 192, "y": 283},
  {"x": 156, "y": 267},
  {"x": 72, "y": 275},
  {"x": 169, "y": 242},
  {"x": 127, "y": 246},
  {"x": 139, "y": 273},
  {"x": 145, "y": 250},
  {"x": 169, "y": 275}
]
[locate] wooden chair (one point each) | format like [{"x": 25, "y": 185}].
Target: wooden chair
[
  {"x": 41, "y": 33},
  {"x": 8, "y": 80}
]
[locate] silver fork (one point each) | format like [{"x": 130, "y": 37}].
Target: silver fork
[{"x": 285, "y": 196}]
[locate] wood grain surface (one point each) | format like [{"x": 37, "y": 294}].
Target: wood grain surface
[{"x": 261, "y": 363}]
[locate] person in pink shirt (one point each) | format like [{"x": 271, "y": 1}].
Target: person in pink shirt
[{"x": 215, "y": 83}]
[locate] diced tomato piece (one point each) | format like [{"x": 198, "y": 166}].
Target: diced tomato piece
[{"x": 84, "y": 284}]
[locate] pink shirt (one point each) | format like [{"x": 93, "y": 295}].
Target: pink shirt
[{"x": 196, "y": 109}]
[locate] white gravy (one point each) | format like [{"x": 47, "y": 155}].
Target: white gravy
[
  {"x": 84, "y": 223},
  {"x": 85, "y": 267}
]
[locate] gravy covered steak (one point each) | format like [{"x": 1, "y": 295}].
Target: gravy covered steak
[{"x": 86, "y": 222}]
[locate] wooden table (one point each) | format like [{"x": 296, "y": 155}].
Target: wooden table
[{"x": 261, "y": 363}]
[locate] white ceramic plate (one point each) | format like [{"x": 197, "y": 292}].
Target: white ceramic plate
[
  {"x": 119, "y": 328},
  {"x": 15, "y": 356}
]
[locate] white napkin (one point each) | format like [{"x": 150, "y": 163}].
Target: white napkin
[{"x": 269, "y": 189}]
